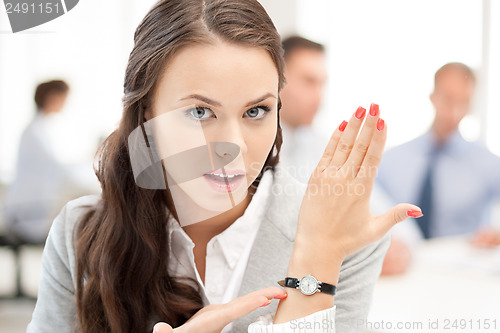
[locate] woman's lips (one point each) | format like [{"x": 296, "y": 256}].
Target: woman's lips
[{"x": 227, "y": 181}]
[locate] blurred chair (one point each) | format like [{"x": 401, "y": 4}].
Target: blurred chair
[{"x": 15, "y": 245}]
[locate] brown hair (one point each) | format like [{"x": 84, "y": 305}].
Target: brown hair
[
  {"x": 296, "y": 43},
  {"x": 45, "y": 89},
  {"x": 121, "y": 243}
]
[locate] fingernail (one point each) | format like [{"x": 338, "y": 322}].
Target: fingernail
[
  {"x": 373, "y": 109},
  {"x": 414, "y": 213},
  {"x": 155, "y": 328},
  {"x": 380, "y": 124},
  {"x": 360, "y": 112},
  {"x": 343, "y": 125},
  {"x": 280, "y": 296},
  {"x": 267, "y": 303}
]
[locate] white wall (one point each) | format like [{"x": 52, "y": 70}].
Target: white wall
[
  {"x": 284, "y": 14},
  {"x": 493, "y": 119}
]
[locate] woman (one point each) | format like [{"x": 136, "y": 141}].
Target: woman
[{"x": 202, "y": 86}]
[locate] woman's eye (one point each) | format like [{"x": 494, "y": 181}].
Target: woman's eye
[
  {"x": 200, "y": 113},
  {"x": 257, "y": 112}
]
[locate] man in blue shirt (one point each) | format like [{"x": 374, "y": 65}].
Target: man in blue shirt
[{"x": 454, "y": 181}]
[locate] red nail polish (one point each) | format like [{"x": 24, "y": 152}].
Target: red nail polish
[
  {"x": 373, "y": 109},
  {"x": 360, "y": 112},
  {"x": 343, "y": 125},
  {"x": 414, "y": 213},
  {"x": 280, "y": 296},
  {"x": 380, "y": 124},
  {"x": 267, "y": 303}
]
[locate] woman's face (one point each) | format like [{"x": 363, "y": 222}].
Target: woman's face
[{"x": 222, "y": 99}]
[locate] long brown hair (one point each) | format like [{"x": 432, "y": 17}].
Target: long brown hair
[{"x": 121, "y": 243}]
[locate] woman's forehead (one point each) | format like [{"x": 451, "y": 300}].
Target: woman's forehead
[{"x": 221, "y": 70}]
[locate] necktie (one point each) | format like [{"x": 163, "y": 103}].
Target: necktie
[{"x": 425, "y": 201}]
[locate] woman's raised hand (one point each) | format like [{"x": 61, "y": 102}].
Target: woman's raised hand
[
  {"x": 214, "y": 317},
  {"x": 335, "y": 212}
]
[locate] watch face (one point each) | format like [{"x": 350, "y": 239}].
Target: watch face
[{"x": 308, "y": 285}]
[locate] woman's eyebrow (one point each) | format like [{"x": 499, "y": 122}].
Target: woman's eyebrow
[
  {"x": 203, "y": 99},
  {"x": 260, "y": 99},
  {"x": 218, "y": 104}
]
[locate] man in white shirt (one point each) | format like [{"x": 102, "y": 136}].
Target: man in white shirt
[
  {"x": 305, "y": 72},
  {"x": 44, "y": 180}
]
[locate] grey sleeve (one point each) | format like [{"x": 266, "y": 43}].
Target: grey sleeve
[
  {"x": 358, "y": 274},
  {"x": 55, "y": 309}
]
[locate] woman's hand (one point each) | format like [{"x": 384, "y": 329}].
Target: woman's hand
[
  {"x": 334, "y": 218},
  {"x": 214, "y": 317},
  {"x": 335, "y": 213}
]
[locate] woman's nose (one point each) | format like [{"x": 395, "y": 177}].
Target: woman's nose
[
  {"x": 232, "y": 133},
  {"x": 226, "y": 150}
]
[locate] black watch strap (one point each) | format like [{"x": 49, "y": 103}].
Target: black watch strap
[
  {"x": 323, "y": 287},
  {"x": 291, "y": 282},
  {"x": 327, "y": 288}
]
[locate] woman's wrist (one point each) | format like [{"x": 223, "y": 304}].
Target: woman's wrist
[
  {"x": 322, "y": 249},
  {"x": 322, "y": 265},
  {"x": 322, "y": 262}
]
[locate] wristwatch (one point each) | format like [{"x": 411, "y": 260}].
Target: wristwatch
[{"x": 308, "y": 285}]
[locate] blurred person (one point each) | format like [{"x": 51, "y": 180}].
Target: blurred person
[
  {"x": 306, "y": 75},
  {"x": 454, "y": 181},
  {"x": 43, "y": 180},
  {"x": 405, "y": 237}
]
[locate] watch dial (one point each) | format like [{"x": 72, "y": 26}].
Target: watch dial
[{"x": 308, "y": 285}]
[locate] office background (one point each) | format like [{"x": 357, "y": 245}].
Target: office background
[{"x": 383, "y": 51}]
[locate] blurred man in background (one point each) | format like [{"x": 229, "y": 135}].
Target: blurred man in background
[
  {"x": 306, "y": 75},
  {"x": 455, "y": 182},
  {"x": 305, "y": 72},
  {"x": 43, "y": 181}
]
